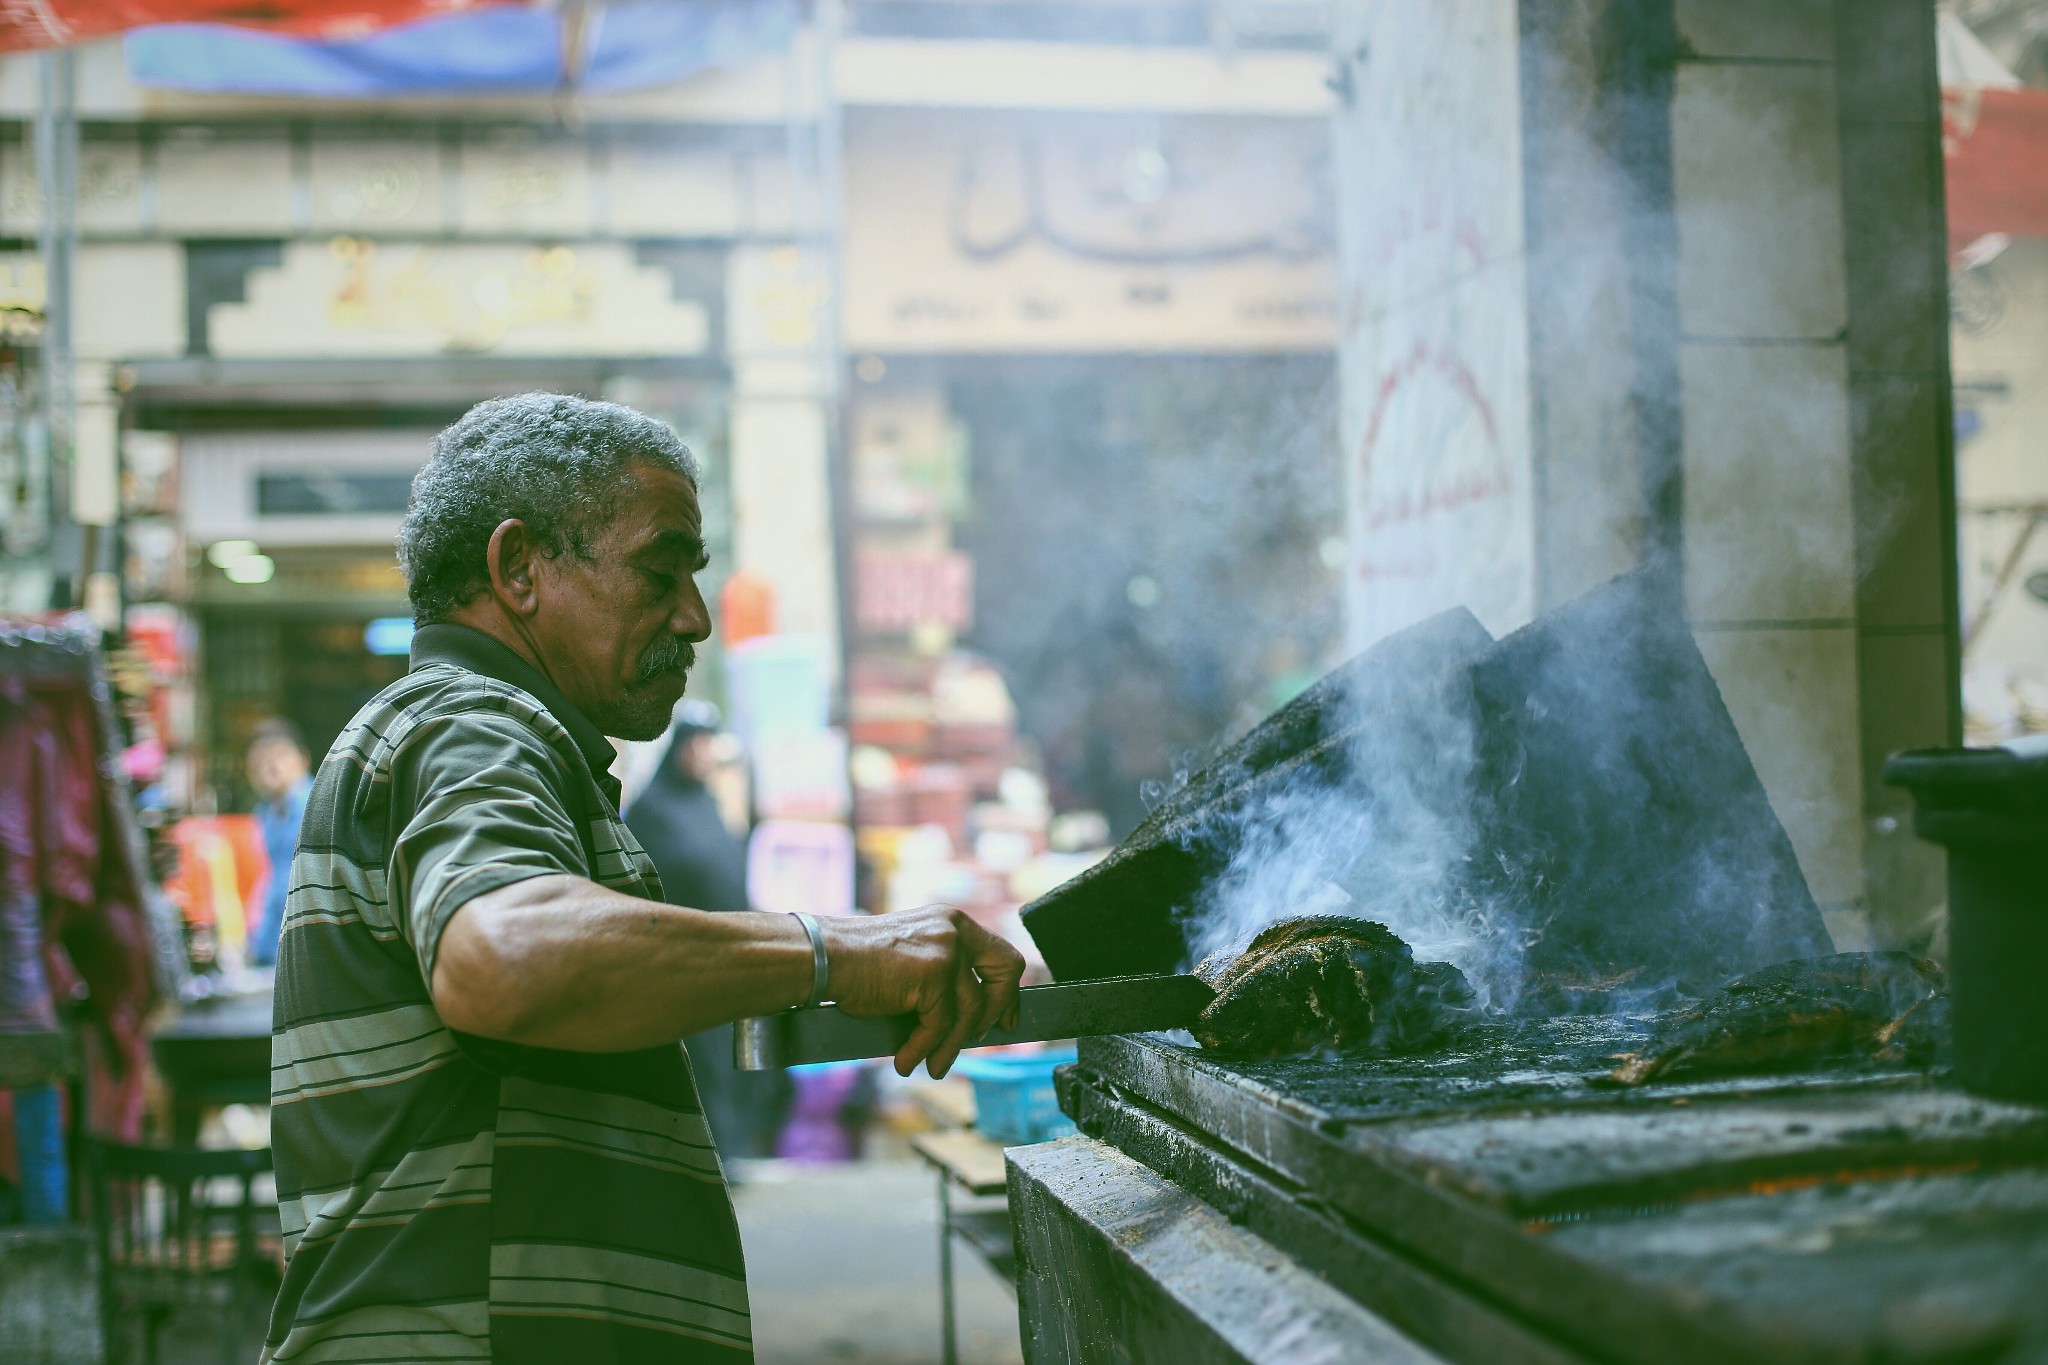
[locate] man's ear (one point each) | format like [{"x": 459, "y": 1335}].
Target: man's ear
[{"x": 512, "y": 560}]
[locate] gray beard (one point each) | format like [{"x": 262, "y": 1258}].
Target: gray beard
[
  {"x": 637, "y": 717},
  {"x": 643, "y": 714}
]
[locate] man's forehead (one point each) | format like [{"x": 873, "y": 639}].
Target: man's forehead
[{"x": 664, "y": 506}]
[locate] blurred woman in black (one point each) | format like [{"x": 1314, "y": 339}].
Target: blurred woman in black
[{"x": 703, "y": 865}]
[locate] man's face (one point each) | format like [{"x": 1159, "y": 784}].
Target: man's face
[
  {"x": 275, "y": 767},
  {"x": 617, "y": 635}
]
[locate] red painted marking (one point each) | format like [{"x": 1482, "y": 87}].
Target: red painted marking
[
  {"x": 1433, "y": 218},
  {"x": 1462, "y": 490},
  {"x": 1422, "y": 357}
]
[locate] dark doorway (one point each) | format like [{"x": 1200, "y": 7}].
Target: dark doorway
[
  {"x": 1150, "y": 539},
  {"x": 314, "y": 671},
  {"x": 329, "y": 672}
]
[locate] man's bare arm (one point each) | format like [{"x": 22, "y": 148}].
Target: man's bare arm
[
  {"x": 563, "y": 962},
  {"x": 557, "y": 961}
]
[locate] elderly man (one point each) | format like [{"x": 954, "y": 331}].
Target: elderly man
[{"x": 488, "y": 1143}]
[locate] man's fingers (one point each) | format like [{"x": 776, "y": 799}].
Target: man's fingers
[
  {"x": 1000, "y": 967},
  {"x": 934, "y": 1020},
  {"x": 990, "y": 1006},
  {"x": 966, "y": 1018},
  {"x": 919, "y": 1044},
  {"x": 963, "y": 978}
]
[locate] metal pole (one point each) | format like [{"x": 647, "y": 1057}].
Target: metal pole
[
  {"x": 819, "y": 167},
  {"x": 949, "y": 1346},
  {"x": 56, "y": 150},
  {"x": 815, "y": 152}
]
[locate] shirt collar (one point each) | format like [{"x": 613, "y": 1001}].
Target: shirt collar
[{"x": 467, "y": 647}]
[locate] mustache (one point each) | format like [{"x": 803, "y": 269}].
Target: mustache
[{"x": 670, "y": 654}]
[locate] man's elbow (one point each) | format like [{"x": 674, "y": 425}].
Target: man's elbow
[{"x": 478, "y": 985}]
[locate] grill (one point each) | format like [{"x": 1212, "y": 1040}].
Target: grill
[
  {"x": 1499, "y": 1199},
  {"x": 1495, "y": 1202}
]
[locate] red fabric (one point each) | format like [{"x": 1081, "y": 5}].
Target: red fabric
[
  {"x": 1996, "y": 147},
  {"x": 57, "y": 844},
  {"x": 54, "y": 23}
]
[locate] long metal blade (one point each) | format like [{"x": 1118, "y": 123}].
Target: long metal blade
[{"x": 1076, "y": 1009}]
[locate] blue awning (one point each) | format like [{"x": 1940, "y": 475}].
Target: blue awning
[{"x": 624, "y": 46}]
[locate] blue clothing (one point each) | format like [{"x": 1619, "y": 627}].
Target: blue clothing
[
  {"x": 39, "y": 1138},
  {"x": 279, "y": 822}
]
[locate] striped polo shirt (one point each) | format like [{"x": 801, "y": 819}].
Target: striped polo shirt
[{"x": 448, "y": 1197}]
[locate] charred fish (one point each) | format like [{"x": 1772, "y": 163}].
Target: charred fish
[
  {"x": 1327, "y": 981},
  {"x": 1808, "y": 1009}
]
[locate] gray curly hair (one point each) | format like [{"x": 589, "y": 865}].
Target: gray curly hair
[{"x": 556, "y": 462}]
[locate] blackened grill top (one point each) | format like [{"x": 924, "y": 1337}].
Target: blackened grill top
[{"x": 1856, "y": 1214}]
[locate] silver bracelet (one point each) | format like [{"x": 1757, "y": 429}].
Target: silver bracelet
[{"x": 821, "y": 966}]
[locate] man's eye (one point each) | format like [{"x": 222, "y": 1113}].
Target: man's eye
[{"x": 661, "y": 582}]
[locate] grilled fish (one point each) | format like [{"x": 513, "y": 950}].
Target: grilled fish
[
  {"x": 1920, "y": 1035},
  {"x": 1794, "y": 1012},
  {"x": 1327, "y": 981}
]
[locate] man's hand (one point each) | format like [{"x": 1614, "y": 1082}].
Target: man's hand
[{"x": 957, "y": 977}]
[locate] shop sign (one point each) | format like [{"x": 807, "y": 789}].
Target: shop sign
[
  {"x": 356, "y": 297},
  {"x": 778, "y": 297},
  {"x": 1087, "y": 233}
]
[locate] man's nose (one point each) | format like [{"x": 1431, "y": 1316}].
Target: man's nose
[{"x": 692, "y": 619}]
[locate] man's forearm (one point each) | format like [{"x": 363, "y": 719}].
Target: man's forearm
[{"x": 565, "y": 963}]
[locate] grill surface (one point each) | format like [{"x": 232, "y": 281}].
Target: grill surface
[{"x": 1497, "y": 1202}]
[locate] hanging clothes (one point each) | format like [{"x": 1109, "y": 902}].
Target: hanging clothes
[{"x": 60, "y": 851}]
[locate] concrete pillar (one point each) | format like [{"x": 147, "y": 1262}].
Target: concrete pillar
[
  {"x": 1710, "y": 233},
  {"x": 1433, "y": 322},
  {"x": 1819, "y": 516},
  {"x": 1767, "y": 523},
  {"x": 1902, "y": 430},
  {"x": 782, "y": 403}
]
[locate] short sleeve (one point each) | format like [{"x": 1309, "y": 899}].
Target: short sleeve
[{"x": 489, "y": 807}]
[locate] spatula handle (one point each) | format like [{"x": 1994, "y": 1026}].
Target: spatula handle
[{"x": 1071, "y": 1009}]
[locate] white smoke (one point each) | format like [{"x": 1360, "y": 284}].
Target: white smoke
[{"x": 1382, "y": 832}]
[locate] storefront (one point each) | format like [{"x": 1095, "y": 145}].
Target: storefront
[{"x": 1093, "y": 477}]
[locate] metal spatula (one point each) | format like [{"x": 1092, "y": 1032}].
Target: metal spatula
[{"x": 1075, "y": 1009}]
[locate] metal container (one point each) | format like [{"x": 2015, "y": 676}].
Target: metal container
[{"x": 1989, "y": 809}]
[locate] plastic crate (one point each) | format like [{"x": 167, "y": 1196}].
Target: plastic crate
[{"x": 1014, "y": 1101}]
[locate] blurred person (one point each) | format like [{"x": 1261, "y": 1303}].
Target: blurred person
[
  {"x": 678, "y": 821},
  {"x": 704, "y": 864},
  {"x": 488, "y": 1142},
  {"x": 281, "y": 775}
]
